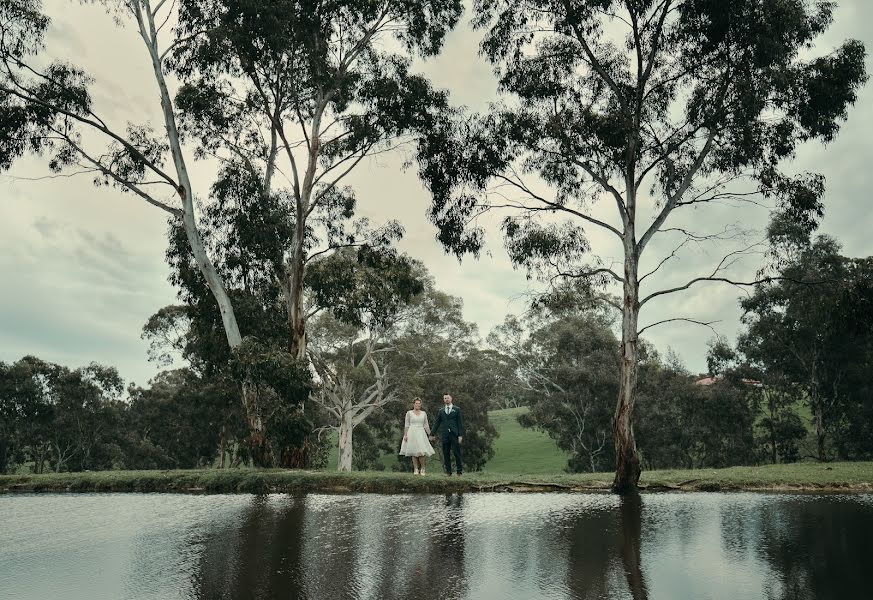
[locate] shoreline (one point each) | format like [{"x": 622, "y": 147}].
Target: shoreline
[{"x": 802, "y": 477}]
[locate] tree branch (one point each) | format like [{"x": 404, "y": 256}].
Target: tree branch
[
  {"x": 674, "y": 198},
  {"x": 686, "y": 320}
]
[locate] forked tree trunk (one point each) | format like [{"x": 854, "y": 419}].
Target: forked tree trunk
[
  {"x": 297, "y": 264},
  {"x": 345, "y": 443},
  {"x": 627, "y": 462}
]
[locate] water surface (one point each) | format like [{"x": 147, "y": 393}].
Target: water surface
[{"x": 506, "y": 546}]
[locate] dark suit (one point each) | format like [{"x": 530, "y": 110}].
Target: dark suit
[{"x": 452, "y": 426}]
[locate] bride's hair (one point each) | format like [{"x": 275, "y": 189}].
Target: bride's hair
[{"x": 416, "y": 399}]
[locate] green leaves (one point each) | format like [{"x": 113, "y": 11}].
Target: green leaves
[
  {"x": 684, "y": 94},
  {"x": 22, "y": 27},
  {"x": 539, "y": 248},
  {"x": 823, "y": 96},
  {"x": 363, "y": 287}
]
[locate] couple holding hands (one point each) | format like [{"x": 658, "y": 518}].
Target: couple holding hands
[{"x": 417, "y": 435}]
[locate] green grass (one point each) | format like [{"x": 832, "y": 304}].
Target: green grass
[
  {"x": 796, "y": 477},
  {"x": 520, "y": 450}
]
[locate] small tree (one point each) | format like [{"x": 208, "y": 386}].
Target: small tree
[
  {"x": 796, "y": 337},
  {"x": 368, "y": 296},
  {"x": 568, "y": 366},
  {"x": 654, "y": 106},
  {"x": 353, "y": 378}
]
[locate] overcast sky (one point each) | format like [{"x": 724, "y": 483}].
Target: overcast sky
[{"x": 82, "y": 268}]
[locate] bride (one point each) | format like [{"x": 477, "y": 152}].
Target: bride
[{"x": 415, "y": 437}]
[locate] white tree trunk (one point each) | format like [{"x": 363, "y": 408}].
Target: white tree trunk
[
  {"x": 204, "y": 264},
  {"x": 627, "y": 463},
  {"x": 345, "y": 443}
]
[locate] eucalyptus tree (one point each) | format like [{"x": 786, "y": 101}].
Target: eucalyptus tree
[
  {"x": 655, "y": 107},
  {"x": 371, "y": 298},
  {"x": 295, "y": 94},
  {"x": 796, "y": 336},
  {"x": 47, "y": 108}
]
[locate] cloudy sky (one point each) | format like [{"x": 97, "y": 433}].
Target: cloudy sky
[{"x": 82, "y": 268}]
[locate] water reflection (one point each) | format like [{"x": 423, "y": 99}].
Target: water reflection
[
  {"x": 439, "y": 570},
  {"x": 257, "y": 554},
  {"x": 652, "y": 547},
  {"x": 632, "y": 530}
]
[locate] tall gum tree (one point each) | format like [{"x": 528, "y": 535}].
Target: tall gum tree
[
  {"x": 299, "y": 93},
  {"x": 46, "y": 108},
  {"x": 652, "y": 106}
]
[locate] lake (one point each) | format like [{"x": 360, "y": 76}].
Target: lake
[{"x": 504, "y": 546}]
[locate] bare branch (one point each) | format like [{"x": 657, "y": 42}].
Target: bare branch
[
  {"x": 686, "y": 320},
  {"x": 125, "y": 182},
  {"x": 95, "y": 125},
  {"x": 591, "y": 273},
  {"x": 552, "y": 205},
  {"x": 727, "y": 261}
]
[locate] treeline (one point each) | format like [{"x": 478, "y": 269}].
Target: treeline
[
  {"x": 70, "y": 420},
  {"x": 795, "y": 386},
  {"x": 58, "y": 419}
]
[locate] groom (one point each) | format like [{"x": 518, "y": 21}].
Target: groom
[{"x": 453, "y": 433}]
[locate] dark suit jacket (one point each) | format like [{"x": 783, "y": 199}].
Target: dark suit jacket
[{"x": 451, "y": 424}]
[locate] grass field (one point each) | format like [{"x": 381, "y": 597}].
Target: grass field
[{"x": 520, "y": 450}]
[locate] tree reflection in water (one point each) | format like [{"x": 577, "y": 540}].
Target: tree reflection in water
[
  {"x": 820, "y": 547},
  {"x": 443, "y": 573},
  {"x": 654, "y": 547},
  {"x": 632, "y": 528},
  {"x": 258, "y": 556}
]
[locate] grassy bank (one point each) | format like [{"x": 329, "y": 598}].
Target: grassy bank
[{"x": 798, "y": 477}]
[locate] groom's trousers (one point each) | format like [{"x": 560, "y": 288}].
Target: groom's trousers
[{"x": 450, "y": 444}]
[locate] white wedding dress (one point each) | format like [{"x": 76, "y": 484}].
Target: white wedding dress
[{"x": 417, "y": 431}]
